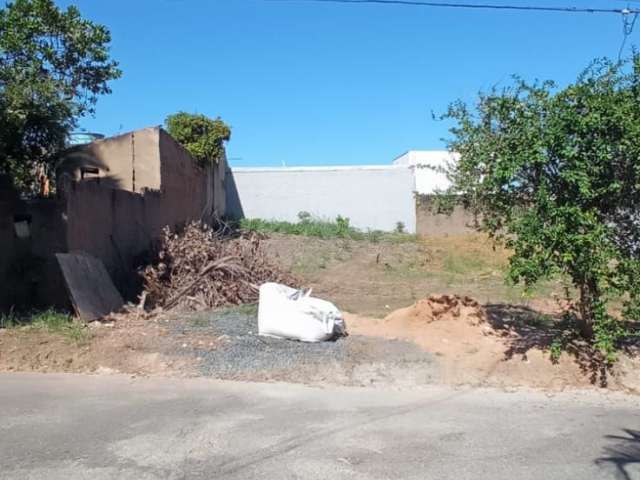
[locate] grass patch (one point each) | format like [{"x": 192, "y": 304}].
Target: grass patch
[
  {"x": 9, "y": 320},
  {"x": 204, "y": 319},
  {"x": 248, "y": 309},
  {"x": 49, "y": 320},
  {"x": 464, "y": 264},
  {"x": 314, "y": 227}
]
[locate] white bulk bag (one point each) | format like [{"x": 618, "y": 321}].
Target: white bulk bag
[{"x": 285, "y": 312}]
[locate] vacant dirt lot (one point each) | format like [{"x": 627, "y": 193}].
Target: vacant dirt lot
[
  {"x": 399, "y": 336},
  {"x": 375, "y": 278}
]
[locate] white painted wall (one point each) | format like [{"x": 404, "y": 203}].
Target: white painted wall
[
  {"x": 373, "y": 197},
  {"x": 425, "y": 164}
]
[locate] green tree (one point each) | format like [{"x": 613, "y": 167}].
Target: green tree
[
  {"x": 555, "y": 174},
  {"x": 53, "y": 66},
  {"x": 202, "y": 136}
]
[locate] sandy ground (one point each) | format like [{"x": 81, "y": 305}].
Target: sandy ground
[
  {"x": 222, "y": 344},
  {"x": 133, "y": 345},
  {"x": 482, "y": 345},
  {"x": 462, "y": 343}
]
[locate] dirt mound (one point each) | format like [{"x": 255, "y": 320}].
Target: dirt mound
[
  {"x": 470, "y": 348},
  {"x": 442, "y": 324},
  {"x": 439, "y": 308},
  {"x": 199, "y": 268}
]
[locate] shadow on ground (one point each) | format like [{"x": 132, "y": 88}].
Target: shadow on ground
[
  {"x": 530, "y": 329},
  {"x": 623, "y": 455}
]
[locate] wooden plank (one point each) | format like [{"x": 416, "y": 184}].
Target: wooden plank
[{"x": 92, "y": 292}]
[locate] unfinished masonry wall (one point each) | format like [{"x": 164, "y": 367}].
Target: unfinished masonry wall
[
  {"x": 428, "y": 223},
  {"x": 115, "y": 226},
  {"x": 373, "y": 197},
  {"x": 130, "y": 161},
  {"x": 145, "y": 181},
  {"x": 187, "y": 190},
  {"x": 28, "y": 272}
]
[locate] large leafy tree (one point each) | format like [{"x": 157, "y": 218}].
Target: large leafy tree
[
  {"x": 53, "y": 66},
  {"x": 202, "y": 136},
  {"x": 555, "y": 174}
]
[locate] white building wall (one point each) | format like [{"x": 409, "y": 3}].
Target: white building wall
[
  {"x": 373, "y": 197},
  {"x": 426, "y": 164}
]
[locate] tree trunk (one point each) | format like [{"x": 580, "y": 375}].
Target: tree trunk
[{"x": 589, "y": 296}]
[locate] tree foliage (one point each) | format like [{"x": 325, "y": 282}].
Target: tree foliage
[
  {"x": 202, "y": 136},
  {"x": 555, "y": 174},
  {"x": 53, "y": 66}
]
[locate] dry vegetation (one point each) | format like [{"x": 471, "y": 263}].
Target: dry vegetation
[
  {"x": 373, "y": 278},
  {"x": 199, "y": 268}
]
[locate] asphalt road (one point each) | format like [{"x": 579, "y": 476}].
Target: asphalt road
[{"x": 111, "y": 427}]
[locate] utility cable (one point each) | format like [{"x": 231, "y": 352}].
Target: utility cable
[
  {"x": 628, "y": 23},
  {"x": 478, "y": 6}
]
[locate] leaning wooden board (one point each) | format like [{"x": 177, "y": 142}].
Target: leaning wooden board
[{"x": 90, "y": 288}]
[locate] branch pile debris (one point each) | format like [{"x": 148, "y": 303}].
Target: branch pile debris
[{"x": 199, "y": 268}]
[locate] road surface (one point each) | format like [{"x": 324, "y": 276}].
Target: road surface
[{"x": 112, "y": 427}]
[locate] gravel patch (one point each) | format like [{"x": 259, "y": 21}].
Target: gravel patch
[{"x": 240, "y": 353}]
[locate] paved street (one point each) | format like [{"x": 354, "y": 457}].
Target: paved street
[{"x": 112, "y": 427}]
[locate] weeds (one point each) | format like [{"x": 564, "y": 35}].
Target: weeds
[
  {"x": 462, "y": 264},
  {"x": 322, "y": 228},
  {"x": 248, "y": 309},
  {"x": 50, "y": 321},
  {"x": 555, "y": 350},
  {"x": 308, "y": 227},
  {"x": 199, "y": 321},
  {"x": 9, "y": 320}
]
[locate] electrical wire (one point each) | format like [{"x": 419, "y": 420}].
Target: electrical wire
[
  {"x": 629, "y": 15},
  {"x": 619, "y": 11},
  {"x": 627, "y": 29}
]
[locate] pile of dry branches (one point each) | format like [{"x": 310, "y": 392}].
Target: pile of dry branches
[{"x": 199, "y": 268}]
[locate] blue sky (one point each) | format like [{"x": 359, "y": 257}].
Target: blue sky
[{"x": 319, "y": 84}]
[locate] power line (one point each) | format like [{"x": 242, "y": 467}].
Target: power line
[
  {"x": 619, "y": 11},
  {"x": 628, "y": 22}
]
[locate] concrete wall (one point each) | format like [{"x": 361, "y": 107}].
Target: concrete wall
[
  {"x": 29, "y": 275},
  {"x": 429, "y": 223},
  {"x": 220, "y": 188},
  {"x": 115, "y": 226},
  {"x": 150, "y": 159},
  {"x": 130, "y": 161},
  {"x": 146, "y": 181},
  {"x": 187, "y": 189},
  {"x": 119, "y": 226},
  {"x": 373, "y": 197}
]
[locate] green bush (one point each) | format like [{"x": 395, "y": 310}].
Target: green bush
[
  {"x": 553, "y": 174},
  {"x": 202, "y": 136}
]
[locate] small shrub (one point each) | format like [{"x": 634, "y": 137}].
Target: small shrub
[
  {"x": 374, "y": 236},
  {"x": 342, "y": 226},
  {"x": 202, "y": 136},
  {"x": 304, "y": 216},
  {"x": 555, "y": 350},
  {"x": 9, "y": 320}
]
